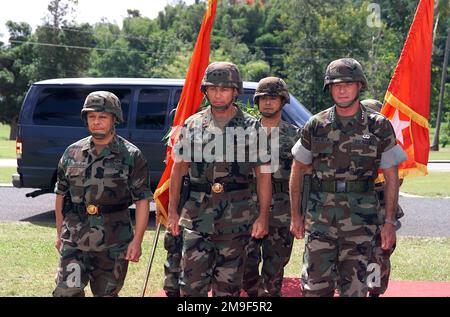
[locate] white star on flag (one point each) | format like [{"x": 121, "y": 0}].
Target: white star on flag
[{"x": 399, "y": 126}]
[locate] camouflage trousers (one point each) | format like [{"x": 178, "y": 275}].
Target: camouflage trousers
[
  {"x": 173, "y": 246},
  {"x": 337, "y": 259},
  {"x": 274, "y": 250},
  {"x": 104, "y": 270},
  {"x": 379, "y": 268},
  {"x": 213, "y": 261}
]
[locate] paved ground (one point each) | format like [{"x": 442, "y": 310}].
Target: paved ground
[
  {"x": 425, "y": 217},
  {"x": 443, "y": 166},
  {"x": 8, "y": 162}
]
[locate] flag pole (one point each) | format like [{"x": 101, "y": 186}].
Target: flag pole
[
  {"x": 150, "y": 260},
  {"x": 190, "y": 100}
]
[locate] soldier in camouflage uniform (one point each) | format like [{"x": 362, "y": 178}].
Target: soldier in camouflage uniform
[
  {"x": 379, "y": 268},
  {"x": 274, "y": 250},
  {"x": 98, "y": 178},
  {"x": 220, "y": 216},
  {"x": 345, "y": 145},
  {"x": 173, "y": 246}
]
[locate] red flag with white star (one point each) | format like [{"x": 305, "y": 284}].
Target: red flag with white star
[{"x": 407, "y": 100}]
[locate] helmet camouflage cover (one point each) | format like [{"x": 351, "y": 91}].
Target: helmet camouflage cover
[
  {"x": 271, "y": 86},
  {"x": 344, "y": 70},
  {"x": 222, "y": 74},
  {"x": 102, "y": 101},
  {"x": 372, "y": 104}
]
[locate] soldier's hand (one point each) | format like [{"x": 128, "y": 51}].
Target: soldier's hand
[
  {"x": 58, "y": 243},
  {"x": 298, "y": 227},
  {"x": 260, "y": 228},
  {"x": 172, "y": 224},
  {"x": 134, "y": 251},
  {"x": 388, "y": 236}
]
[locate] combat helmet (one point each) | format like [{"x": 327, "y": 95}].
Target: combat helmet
[
  {"x": 271, "y": 86},
  {"x": 222, "y": 74},
  {"x": 372, "y": 104},
  {"x": 102, "y": 101},
  {"x": 344, "y": 70}
]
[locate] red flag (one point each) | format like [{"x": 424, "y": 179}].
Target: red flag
[
  {"x": 407, "y": 100},
  {"x": 190, "y": 100}
]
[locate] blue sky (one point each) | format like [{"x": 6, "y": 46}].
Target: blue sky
[{"x": 32, "y": 11}]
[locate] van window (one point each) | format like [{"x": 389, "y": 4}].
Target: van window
[
  {"x": 62, "y": 106},
  {"x": 152, "y": 108},
  {"x": 177, "y": 97},
  {"x": 247, "y": 97}
]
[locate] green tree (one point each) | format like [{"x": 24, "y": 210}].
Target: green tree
[
  {"x": 63, "y": 48},
  {"x": 140, "y": 49},
  {"x": 442, "y": 27},
  {"x": 16, "y": 73}
]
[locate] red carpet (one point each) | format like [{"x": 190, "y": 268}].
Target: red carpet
[{"x": 291, "y": 288}]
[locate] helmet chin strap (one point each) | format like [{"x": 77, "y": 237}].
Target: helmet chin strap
[
  {"x": 348, "y": 103},
  {"x": 102, "y": 136},
  {"x": 269, "y": 114},
  {"x": 221, "y": 108}
]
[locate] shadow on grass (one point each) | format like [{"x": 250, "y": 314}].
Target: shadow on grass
[{"x": 45, "y": 219}]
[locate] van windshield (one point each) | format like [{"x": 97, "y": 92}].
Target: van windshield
[
  {"x": 62, "y": 106},
  {"x": 296, "y": 113}
]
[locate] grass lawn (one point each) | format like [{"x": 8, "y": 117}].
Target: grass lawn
[
  {"x": 7, "y": 147},
  {"x": 4, "y": 131},
  {"x": 435, "y": 184},
  {"x": 442, "y": 154},
  {"x": 5, "y": 174},
  {"x": 29, "y": 261}
]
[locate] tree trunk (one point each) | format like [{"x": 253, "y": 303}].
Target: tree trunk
[
  {"x": 13, "y": 126},
  {"x": 435, "y": 145}
]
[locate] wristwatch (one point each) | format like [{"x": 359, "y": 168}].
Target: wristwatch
[{"x": 392, "y": 222}]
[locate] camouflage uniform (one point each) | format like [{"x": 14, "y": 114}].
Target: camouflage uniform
[
  {"x": 342, "y": 215},
  {"x": 94, "y": 246},
  {"x": 274, "y": 250},
  {"x": 340, "y": 226},
  {"x": 379, "y": 267},
  {"x": 173, "y": 246},
  {"x": 216, "y": 225}
]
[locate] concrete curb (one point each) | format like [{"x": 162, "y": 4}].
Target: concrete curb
[{"x": 8, "y": 163}]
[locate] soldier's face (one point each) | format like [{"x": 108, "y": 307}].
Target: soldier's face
[
  {"x": 100, "y": 122},
  {"x": 220, "y": 96},
  {"x": 345, "y": 92},
  {"x": 269, "y": 106}
]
